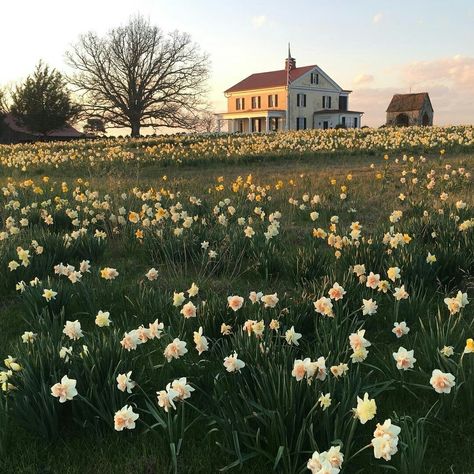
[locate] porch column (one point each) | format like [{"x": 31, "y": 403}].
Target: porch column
[
  {"x": 267, "y": 124},
  {"x": 250, "y": 125}
]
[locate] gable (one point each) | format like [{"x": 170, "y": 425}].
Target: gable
[{"x": 325, "y": 82}]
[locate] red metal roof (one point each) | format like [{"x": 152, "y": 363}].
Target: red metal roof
[
  {"x": 263, "y": 80},
  {"x": 65, "y": 132}
]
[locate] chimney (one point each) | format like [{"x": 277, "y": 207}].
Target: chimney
[{"x": 290, "y": 62}]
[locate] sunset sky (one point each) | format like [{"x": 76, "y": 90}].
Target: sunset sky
[{"x": 375, "y": 48}]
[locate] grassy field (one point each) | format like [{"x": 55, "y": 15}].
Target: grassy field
[{"x": 261, "y": 418}]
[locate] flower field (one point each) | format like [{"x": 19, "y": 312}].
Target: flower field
[
  {"x": 255, "y": 317},
  {"x": 112, "y": 154}
]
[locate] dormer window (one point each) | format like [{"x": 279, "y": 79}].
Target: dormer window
[{"x": 314, "y": 78}]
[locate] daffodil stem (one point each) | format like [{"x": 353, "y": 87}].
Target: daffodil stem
[
  {"x": 358, "y": 452},
  {"x": 351, "y": 436}
]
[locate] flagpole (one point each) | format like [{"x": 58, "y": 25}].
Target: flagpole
[
  {"x": 288, "y": 106},
  {"x": 288, "y": 90}
]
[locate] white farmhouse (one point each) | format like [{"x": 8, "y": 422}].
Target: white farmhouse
[{"x": 293, "y": 98}]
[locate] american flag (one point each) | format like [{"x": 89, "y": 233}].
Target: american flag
[{"x": 289, "y": 66}]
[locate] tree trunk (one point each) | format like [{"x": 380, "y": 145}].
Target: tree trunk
[{"x": 135, "y": 125}]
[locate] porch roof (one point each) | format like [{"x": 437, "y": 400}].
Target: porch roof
[
  {"x": 253, "y": 114},
  {"x": 336, "y": 111}
]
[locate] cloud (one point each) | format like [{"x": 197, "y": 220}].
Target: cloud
[
  {"x": 448, "y": 80},
  {"x": 377, "y": 18},
  {"x": 363, "y": 79},
  {"x": 458, "y": 71},
  {"x": 258, "y": 21}
]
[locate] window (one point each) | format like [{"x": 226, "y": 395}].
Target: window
[
  {"x": 301, "y": 100},
  {"x": 326, "y": 102},
  {"x": 355, "y": 122},
  {"x": 240, "y": 103},
  {"x": 256, "y": 102},
  {"x": 343, "y": 102},
  {"x": 314, "y": 78},
  {"x": 301, "y": 123},
  {"x": 273, "y": 100},
  {"x": 343, "y": 121}
]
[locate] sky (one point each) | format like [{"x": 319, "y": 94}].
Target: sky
[{"x": 373, "y": 47}]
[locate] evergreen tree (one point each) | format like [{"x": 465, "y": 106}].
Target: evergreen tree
[{"x": 42, "y": 103}]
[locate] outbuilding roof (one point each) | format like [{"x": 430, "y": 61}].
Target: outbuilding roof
[
  {"x": 408, "y": 102},
  {"x": 65, "y": 132}
]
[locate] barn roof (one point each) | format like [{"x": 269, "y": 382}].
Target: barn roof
[
  {"x": 263, "y": 80},
  {"x": 65, "y": 132},
  {"x": 408, "y": 102}
]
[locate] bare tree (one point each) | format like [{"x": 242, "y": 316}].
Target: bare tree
[
  {"x": 3, "y": 102},
  {"x": 3, "y": 111},
  {"x": 206, "y": 122},
  {"x": 137, "y": 76},
  {"x": 94, "y": 126}
]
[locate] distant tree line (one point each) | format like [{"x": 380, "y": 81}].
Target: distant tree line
[{"x": 135, "y": 76}]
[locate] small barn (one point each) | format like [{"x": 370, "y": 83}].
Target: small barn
[
  {"x": 410, "y": 109},
  {"x": 13, "y": 132}
]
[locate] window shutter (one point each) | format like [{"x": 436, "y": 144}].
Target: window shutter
[
  {"x": 329, "y": 102},
  {"x": 243, "y": 104},
  {"x": 324, "y": 101},
  {"x": 297, "y": 100},
  {"x": 276, "y": 100},
  {"x": 304, "y": 123},
  {"x": 304, "y": 100}
]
